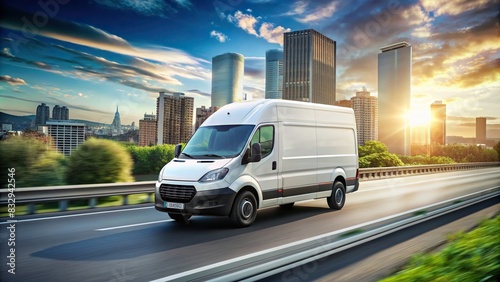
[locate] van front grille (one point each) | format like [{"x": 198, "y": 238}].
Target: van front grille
[{"x": 177, "y": 193}]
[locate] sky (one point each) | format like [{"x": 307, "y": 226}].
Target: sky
[{"x": 95, "y": 55}]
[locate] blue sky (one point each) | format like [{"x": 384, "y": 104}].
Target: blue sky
[{"x": 94, "y": 55}]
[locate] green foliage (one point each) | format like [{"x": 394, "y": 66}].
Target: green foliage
[
  {"x": 473, "y": 256},
  {"x": 99, "y": 161},
  {"x": 465, "y": 154},
  {"x": 372, "y": 147},
  {"x": 36, "y": 164},
  {"x": 425, "y": 160},
  {"x": 151, "y": 159},
  {"x": 497, "y": 149},
  {"x": 384, "y": 159}
]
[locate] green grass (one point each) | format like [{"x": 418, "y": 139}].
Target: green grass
[
  {"x": 112, "y": 201},
  {"x": 472, "y": 256}
]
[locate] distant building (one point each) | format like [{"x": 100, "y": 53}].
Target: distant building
[
  {"x": 481, "y": 130},
  {"x": 147, "y": 130},
  {"x": 274, "y": 74},
  {"x": 438, "y": 123},
  {"x": 394, "y": 92},
  {"x": 42, "y": 114},
  {"x": 60, "y": 113},
  {"x": 366, "y": 113},
  {"x": 344, "y": 103},
  {"x": 67, "y": 136},
  {"x": 116, "y": 125},
  {"x": 202, "y": 114},
  {"x": 309, "y": 67},
  {"x": 175, "y": 118},
  {"x": 227, "y": 79}
]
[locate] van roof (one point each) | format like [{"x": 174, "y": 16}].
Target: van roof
[{"x": 257, "y": 111}]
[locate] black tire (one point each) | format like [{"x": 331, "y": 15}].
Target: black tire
[
  {"x": 181, "y": 218},
  {"x": 244, "y": 210},
  {"x": 337, "y": 200},
  {"x": 287, "y": 206}
]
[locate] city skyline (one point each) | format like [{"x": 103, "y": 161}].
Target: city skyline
[{"x": 92, "y": 56}]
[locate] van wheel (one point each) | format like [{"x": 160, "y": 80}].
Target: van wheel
[
  {"x": 244, "y": 210},
  {"x": 337, "y": 199},
  {"x": 287, "y": 206},
  {"x": 181, "y": 218}
]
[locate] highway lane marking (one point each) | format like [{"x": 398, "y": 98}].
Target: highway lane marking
[
  {"x": 75, "y": 215},
  {"x": 132, "y": 225}
]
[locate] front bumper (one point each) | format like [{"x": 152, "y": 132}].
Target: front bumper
[{"x": 208, "y": 202}]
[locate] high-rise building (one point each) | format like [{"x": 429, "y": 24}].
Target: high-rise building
[
  {"x": 116, "y": 125},
  {"x": 147, "y": 130},
  {"x": 344, "y": 103},
  {"x": 175, "y": 118},
  {"x": 42, "y": 114},
  {"x": 366, "y": 113},
  {"x": 394, "y": 94},
  {"x": 227, "y": 79},
  {"x": 309, "y": 67},
  {"x": 480, "y": 130},
  {"x": 67, "y": 136},
  {"x": 438, "y": 123},
  {"x": 60, "y": 113},
  {"x": 202, "y": 114},
  {"x": 274, "y": 74}
]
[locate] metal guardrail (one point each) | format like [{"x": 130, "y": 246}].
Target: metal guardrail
[{"x": 63, "y": 194}]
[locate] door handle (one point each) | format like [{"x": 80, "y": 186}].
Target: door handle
[{"x": 274, "y": 165}]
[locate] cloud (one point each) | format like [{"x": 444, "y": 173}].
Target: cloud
[
  {"x": 221, "y": 37},
  {"x": 484, "y": 72},
  {"x": 445, "y": 7},
  {"x": 12, "y": 80},
  {"x": 198, "y": 92},
  {"x": 319, "y": 13},
  {"x": 90, "y": 36},
  {"x": 267, "y": 30},
  {"x": 158, "y": 8},
  {"x": 5, "y": 53},
  {"x": 246, "y": 22}
]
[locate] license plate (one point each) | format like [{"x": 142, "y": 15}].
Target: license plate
[{"x": 170, "y": 205}]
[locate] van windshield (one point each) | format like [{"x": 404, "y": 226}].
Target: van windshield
[{"x": 215, "y": 142}]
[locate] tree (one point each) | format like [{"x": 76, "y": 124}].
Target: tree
[
  {"x": 372, "y": 147},
  {"x": 35, "y": 163},
  {"x": 384, "y": 159},
  {"x": 497, "y": 148},
  {"x": 99, "y": 161}
]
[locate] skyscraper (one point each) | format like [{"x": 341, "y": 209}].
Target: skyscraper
[
  {"x": 116, "y": 125},
  {"x": 175, "y": 118},
  {"x": 366, "y": 113},
  {"x": 147, "y": 130},
  {"x": 274, "y": 74},
  {"x": 60, "y": 113},
  {"x": 394, "y": 94},
  {"x": 227, "y": 79},
  {"x": 480, "y": 130},
  {"x": 309, "y": 67},
  {"x": 438, "y": 123},
  {"x": 42, "y": 114},
  {"x": 67, "y": 136}
]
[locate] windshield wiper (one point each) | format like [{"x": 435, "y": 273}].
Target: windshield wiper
[
  {"x": 214, "y": 155},
  {"x": 187, "y": 155}
]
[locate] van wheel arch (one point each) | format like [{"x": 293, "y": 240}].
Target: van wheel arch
[
  {"x": 246, "y": 201},
  {"x": 337, "y": 200}
]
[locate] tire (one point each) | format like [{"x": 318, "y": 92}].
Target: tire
[
  {"x": 181, "y": 218},
  {"x": 337, "y": 200},
  {"x": 287, "y": 206},
  {"x": 244, "y": 210}
]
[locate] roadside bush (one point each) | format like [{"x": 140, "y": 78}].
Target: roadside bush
[
  {"x": 150, "y": 160},
  {"x": 36, "y": 164},
  {"x": 425, "y": 160},
  {"x": 465, "y": 154},
  {"x": 376, "y": 154},
  {"x": 99, "y": 161}
]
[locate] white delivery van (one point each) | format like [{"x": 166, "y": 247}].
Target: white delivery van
[{"x": 257, "y": 154}]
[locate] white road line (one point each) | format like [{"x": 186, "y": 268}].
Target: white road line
[
  {"x": 72, "y": 215},
  {"x": 132, "y": 225}
]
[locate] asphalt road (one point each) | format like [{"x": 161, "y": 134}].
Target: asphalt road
[{"x": 141, "y": 244}]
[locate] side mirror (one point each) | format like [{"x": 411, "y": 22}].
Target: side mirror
[
  {"x": 177, "y": 150},
  {"x": 256, "y": 153}
]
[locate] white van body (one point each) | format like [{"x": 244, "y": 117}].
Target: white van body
[{"x": 307, "y": 151}]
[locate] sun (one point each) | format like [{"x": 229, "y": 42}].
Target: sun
[{"x": 419, "y": 117}]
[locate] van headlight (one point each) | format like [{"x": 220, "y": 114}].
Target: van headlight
[
  {"x": 217, "y": 174},
  {"x": 160, "y": 175}
]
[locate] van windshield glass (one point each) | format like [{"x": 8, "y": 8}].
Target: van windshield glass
[{"x": 216, "y": 142}]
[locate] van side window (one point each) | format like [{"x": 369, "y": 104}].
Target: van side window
[{"x": 265, "y": 136}]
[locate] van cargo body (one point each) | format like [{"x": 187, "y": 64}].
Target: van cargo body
[{"x": 258, "y": 154}]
